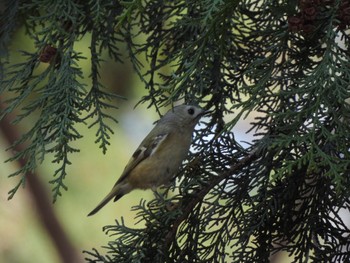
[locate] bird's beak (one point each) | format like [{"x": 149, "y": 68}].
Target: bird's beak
[
  {"x": 203, "y": 113},
  {"x": 206, "y": 112}
]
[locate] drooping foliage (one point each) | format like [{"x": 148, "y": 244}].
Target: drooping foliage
[{"x": 286, "y": 61}]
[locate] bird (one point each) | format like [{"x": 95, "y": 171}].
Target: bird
[{"x": 160, "y": 154}]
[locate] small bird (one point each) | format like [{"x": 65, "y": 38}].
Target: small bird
[{"x": 159, "y": 155}]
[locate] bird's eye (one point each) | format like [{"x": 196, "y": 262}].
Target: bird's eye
[{"x": 190, "y": 111}]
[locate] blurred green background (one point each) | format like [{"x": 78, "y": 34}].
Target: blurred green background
[{"x": 90, "y": 177}]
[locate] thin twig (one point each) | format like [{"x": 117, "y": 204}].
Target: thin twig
[{"x": 198, "y": 197}]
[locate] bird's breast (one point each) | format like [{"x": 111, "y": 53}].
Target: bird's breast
[{"x": 160, "y": 167}]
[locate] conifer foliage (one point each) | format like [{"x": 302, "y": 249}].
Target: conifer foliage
[{"x": 288, "y": 61}]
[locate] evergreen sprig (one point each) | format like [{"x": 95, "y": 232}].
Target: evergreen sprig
[{"x": 56, "y": 96}]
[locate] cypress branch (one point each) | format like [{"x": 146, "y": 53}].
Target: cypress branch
[{"x": 286, "y": 61}]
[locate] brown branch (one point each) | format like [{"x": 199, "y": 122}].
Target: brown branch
[
  {"x": 198, "y": 197},
  {"x": 65, "y": 249}
]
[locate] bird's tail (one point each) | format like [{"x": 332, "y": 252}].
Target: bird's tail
[{"x": 114, "y": 193}]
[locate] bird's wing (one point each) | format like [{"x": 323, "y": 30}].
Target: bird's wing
[{"x": 143, "y": 152}]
